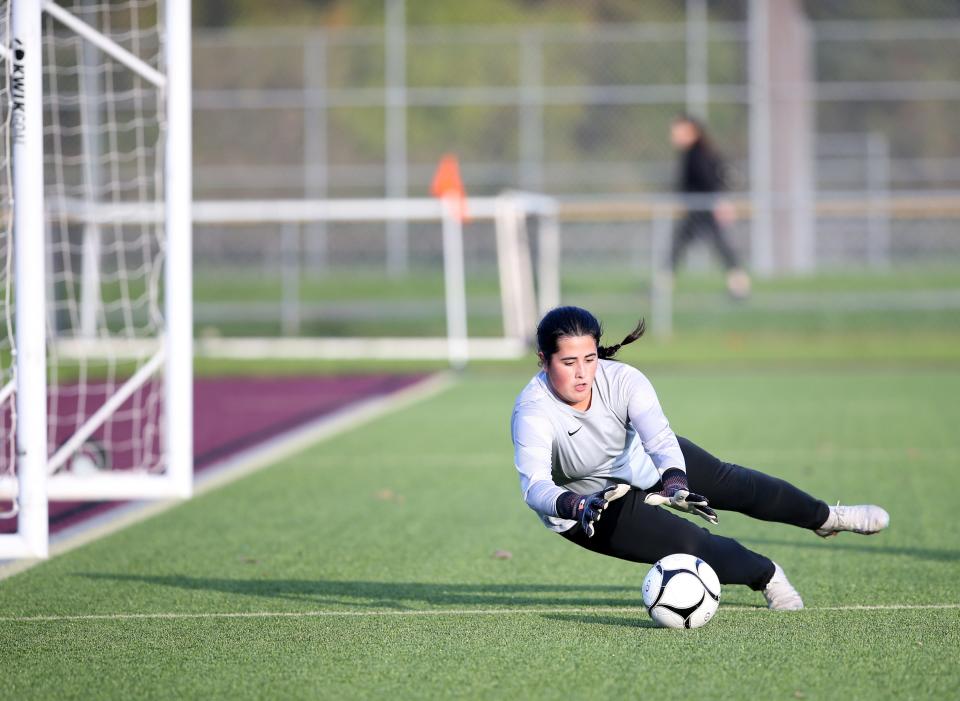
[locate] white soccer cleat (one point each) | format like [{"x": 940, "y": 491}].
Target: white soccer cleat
[
  {"x": 780, "y": 594},
  {"x": 738, "y": 284},
  {"x": 865, "y": 519}
]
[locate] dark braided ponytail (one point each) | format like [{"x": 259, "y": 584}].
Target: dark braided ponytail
[
  {"x": 574, "y": 321},
  {"x": 608, "y": 352}
]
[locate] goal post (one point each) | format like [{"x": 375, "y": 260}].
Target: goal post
[
  {"x": 525, "y": 288},
  {"x": 24, "y": 140},
  {"x": 99, "y": 142},
  {"x": 178, "y": 190}
]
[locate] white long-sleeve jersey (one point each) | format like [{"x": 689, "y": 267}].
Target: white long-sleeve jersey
[{"x": 623, "y": 438}]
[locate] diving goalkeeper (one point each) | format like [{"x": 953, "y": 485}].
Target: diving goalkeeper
[{"x": 598, "y": 460}]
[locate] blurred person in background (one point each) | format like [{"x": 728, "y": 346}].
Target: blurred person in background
[{"x": 701, "y": 176}]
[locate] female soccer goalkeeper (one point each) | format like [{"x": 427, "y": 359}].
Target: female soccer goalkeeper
[{"x": 590, "y": 439}]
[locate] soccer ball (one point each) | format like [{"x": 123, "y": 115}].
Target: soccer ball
[{"x": 681, "y": 591}]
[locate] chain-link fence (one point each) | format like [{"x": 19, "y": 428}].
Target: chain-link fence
[
  {"x": 584, "y": 110},
  {"x": 840, "y": 129},
  {"x": 566, "y": 109}
]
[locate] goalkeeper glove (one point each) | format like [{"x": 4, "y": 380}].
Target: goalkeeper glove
[
  {"x": 677, "y": 495},
  {"x": 588, "y": 509}
]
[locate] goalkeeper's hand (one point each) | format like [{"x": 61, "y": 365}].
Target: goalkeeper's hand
[
  {"x": 587, "y": 510},
  {"x": 677, "y": 495}
]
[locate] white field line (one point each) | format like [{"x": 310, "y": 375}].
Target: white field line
[
  {"x": 842, "y": 454},
  {"x": 249, "y": 461},
  {"x": 431, "y": 612}
]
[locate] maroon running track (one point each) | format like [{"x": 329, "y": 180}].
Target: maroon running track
[{"x": 232, "y": 414}]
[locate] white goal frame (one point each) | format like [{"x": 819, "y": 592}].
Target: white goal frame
[
  {"x": 34, "y": 485},
  {"x": 522, "y": 300}
]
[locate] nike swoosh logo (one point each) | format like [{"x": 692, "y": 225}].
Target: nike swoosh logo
[{"x": 570, "y": 433}]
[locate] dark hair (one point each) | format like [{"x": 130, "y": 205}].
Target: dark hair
[
  {"x": 703, "y": 138},
  {"x": 690, "y": 119},
  {"x": 574, "y": 321}
]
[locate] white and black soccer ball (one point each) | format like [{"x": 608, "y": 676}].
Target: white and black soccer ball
[{"x": 681, "y": 591}]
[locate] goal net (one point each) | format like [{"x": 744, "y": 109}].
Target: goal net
[{"x": 106, "y": 224}]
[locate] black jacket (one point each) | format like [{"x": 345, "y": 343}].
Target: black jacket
[{"x": 701, "y": 170}]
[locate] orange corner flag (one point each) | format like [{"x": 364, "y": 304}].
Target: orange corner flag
[{"x": 447, "y": 184}]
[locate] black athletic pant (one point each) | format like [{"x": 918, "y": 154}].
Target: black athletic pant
[
  {"x": 701, "y": 223},
  {"x": 632, "y": 530}
]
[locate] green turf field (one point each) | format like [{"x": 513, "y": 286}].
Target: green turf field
[{"x": 365, "y": 568}]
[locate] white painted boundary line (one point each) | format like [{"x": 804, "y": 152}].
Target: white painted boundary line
[
  {"x": 241, "y": 465},
  {"x": 841, "y": 454},
  {"x": 432, "y": 612}
]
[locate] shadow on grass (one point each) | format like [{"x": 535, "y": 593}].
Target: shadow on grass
[
  {"x": 640, "y": 621},
  {"x": 936, "y": 554},
  {"x": 398, "y": 595}
]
